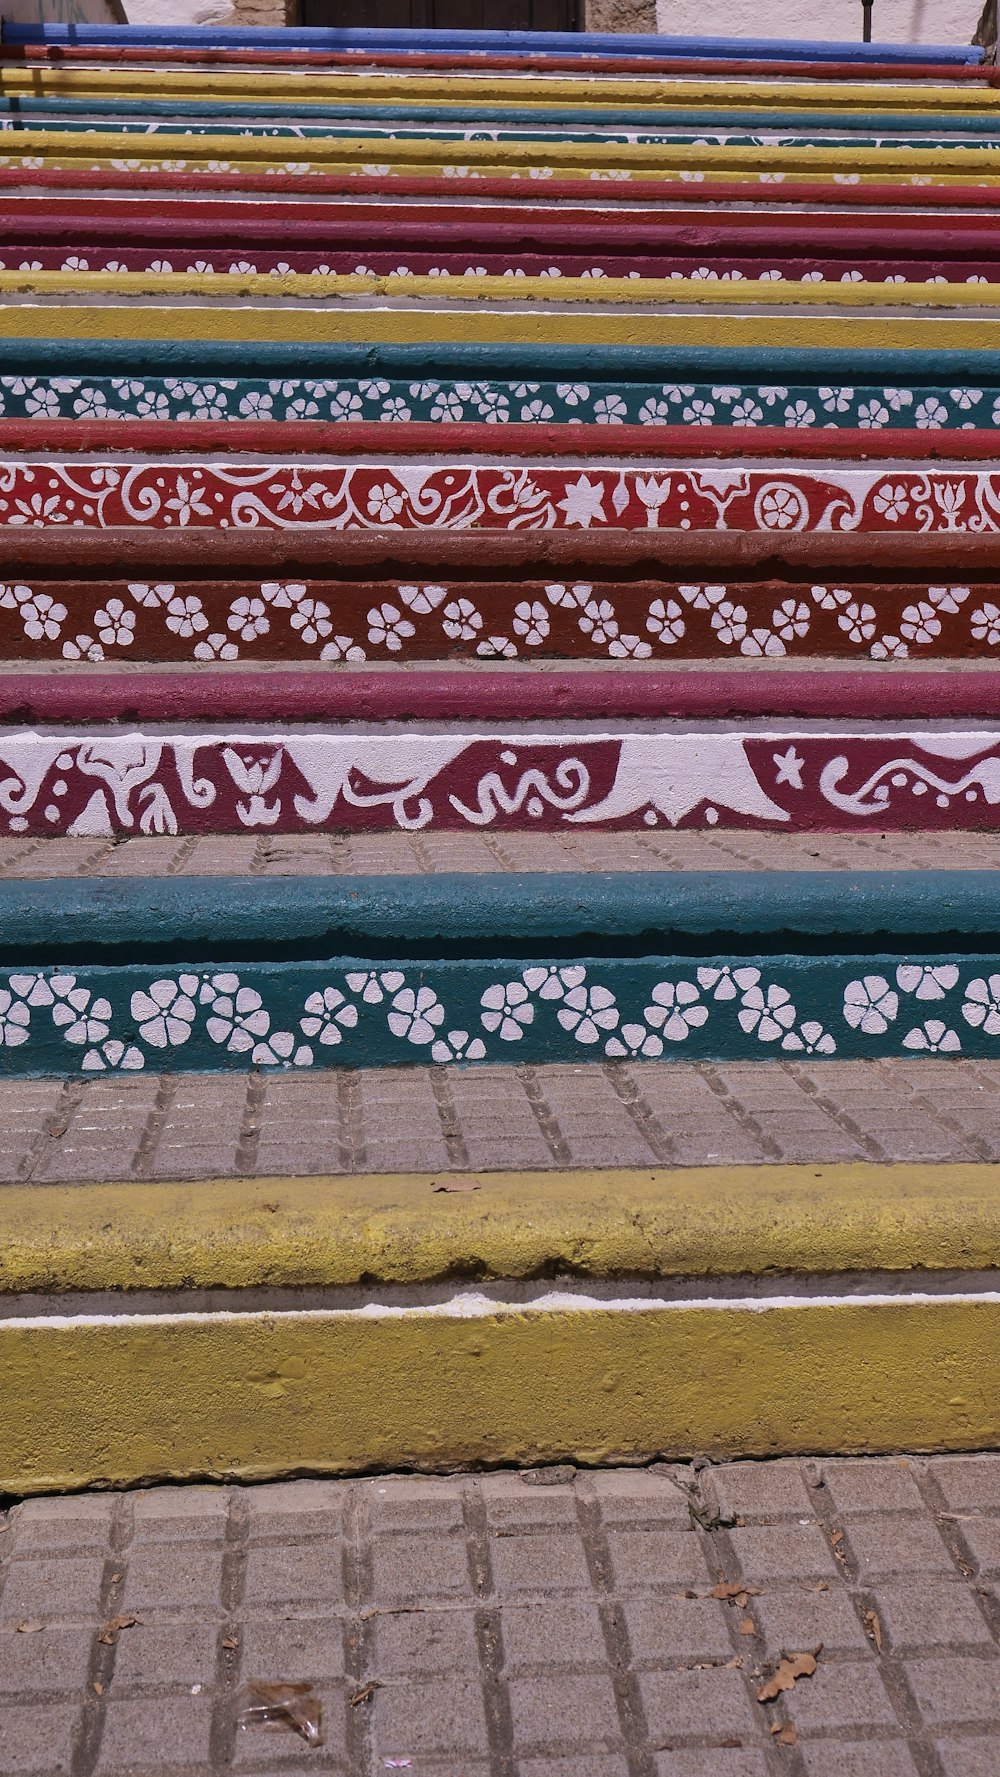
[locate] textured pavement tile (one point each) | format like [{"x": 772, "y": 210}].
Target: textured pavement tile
[
  {"x": 974, "y": 1757},
  {"x": 667, "y": 1630},
  {"x": 797, "y": 1617},
  {"x": 887, "y": 1544},
  {"x": 649, "y": 1560},
  {"x": 308, "y": 1573},
  {"x": 566, "y": 1633},
  {"x": 539, "y": 1563},
  {"x": 428, "y": 1565},
  {"x": 717, "y": 1762},
  {"x": 436, "y": 1715},
  {"x": 36, "y": 1741},
  {"x": 866, "y": 1758},
  {"x": 956, "y": 1690},
  {"x": 793, "y": 1552},
  {"x": 881, "y": 1484},
  {"x": 564, "y": 1714},
  {"x": 695, "y": 1704},
  {"x": 150, "y": 1655},
  {"x": 298, "y": 1649},
  {"x": 54, "y": 1660},
  {"x": 843, "y": 1695},
  {"x": 175, "y": 1732},
  {"x": 969, "y": 1482},
  {"x": 174, "y": 1577},
  {"x": 930, "y": 1613},
  {"x": 54, "y": 1589},
  {"x": 421, "y": 1641}
]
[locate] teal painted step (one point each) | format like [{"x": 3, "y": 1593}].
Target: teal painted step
[
  {"x": 787, "y": 405},
  {"x": 227, "y": 975}
]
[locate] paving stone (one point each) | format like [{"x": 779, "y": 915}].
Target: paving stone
[
  {"x": 425, "y": 1640},
  {"x": 879, "y": 1485},
  {"x": 83, "y": 1522},
  {"x": 307, "y": 1573},
  {"x": 539, "y": 1563},
  {"x": 560, "y": 1634},
  {"x": 436, "y": 1715},
  {"x": 719, "y": 1761},
  {"x": 956, "y": 1690},
  {"x": 150, "y": 1655},
  {"x": 691, "y": 1705},
  {"x": 295, "y": 1508},
  {"x": 969, "y": 1482},
  {"x": 174, "y": 1733},
  {"x": 983, "y": 1538},
  {"x": 763, "y": 1491},
  {"x": 666, "y": 1630},
  {"x": 797, "y": 1617},
  {"x": 37, "y": 1742},
  {"x": 974, "y": 1757},
  {"x": 509, "y": 1502},
  {"x": 420, "y": 1504},
  {"x": 648, "y": 1560},
  {"x": 53, "y": 1589},
  {"x": 297, "y": 1648},
  {"x": 174, "y": 1577},
  {"x": 897, "y": 1543},
  {"x": 845, "y": 1695},
  {"x": 630, "y": 1495},
  {"x": 598, "y": 1765},
  {"x": 169, "y": 1512},
  {"x": 405, "y": 1566},
  {"x": 564, "y": 1714},
  {"x": 868, "y": 1758},
  {"x": 54, "y": 1660},
  {"x": 934, "y": 1613},
  {"x": 793, "y": 1551}
]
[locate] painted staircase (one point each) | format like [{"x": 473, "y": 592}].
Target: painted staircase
[{"x": 498, "y": 482}]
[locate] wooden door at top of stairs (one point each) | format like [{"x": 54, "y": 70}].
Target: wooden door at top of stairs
[{"x": 446, "y": 15}]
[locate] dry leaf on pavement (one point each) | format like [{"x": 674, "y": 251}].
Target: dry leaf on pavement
[
  {"x": 110, "y": 1635},
  {"x": 787, "y": 1735},
  {"x": 29, "y": 1628},
  {"x": 874, "y": 1627},
  {"x": 366, "y": 1693},
  {"x": 748, "y": 1626},
  {"x": 457, "y": 1184},
  {"x": 791, "y": 1668}
]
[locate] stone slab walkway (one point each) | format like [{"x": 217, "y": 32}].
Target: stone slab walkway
[{"x": 543, "y": 1624}]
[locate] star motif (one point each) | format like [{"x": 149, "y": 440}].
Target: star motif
[{"x": 789, "y": 768}]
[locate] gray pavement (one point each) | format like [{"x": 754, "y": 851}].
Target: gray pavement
[
  {"x": 492, "y": 1626},
  {"x": 647, "y": 1113}
]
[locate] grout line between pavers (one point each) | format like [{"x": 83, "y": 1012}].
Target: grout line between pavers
[
  {"x": 717, "y": 1547},
  {"x": 353, "y": 1152},
  {"x": 972, "y": 1144},
  {"x": 640, "y": 1112},
  {"x": 181, "y": 855},
  {"x": 891, "y": 1670},
  {"x": 738, "y": 1111},
  {"x": 101, "y": 1665},
  {"x": 845, "y": 1123},
  {"x": 248, "y": 1144},
  {"x": 166, "y": 1092},
  {"x": 628, "y": 1698},
  {"x": 228, "y": 1661},
  {"x": 957, "y": 1546},
  {"x": 545, "y": 1117},
  {"x": 451, "y": 1126},
  {"x": 358, "y": 1631},
  {"x": 55, "y": 1127},
  {"x": 488, "y": 1633}
]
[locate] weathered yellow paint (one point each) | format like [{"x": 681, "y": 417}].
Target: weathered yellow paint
[
  {"x": 595, "y": 292},
  {"x": 260, "y": 1395},
  {"x": 709, "y": 1221},
  {"x": 395, "y": 86},
  {"x": 530, "y": 327},
  {"x": 641, "y": 159}
]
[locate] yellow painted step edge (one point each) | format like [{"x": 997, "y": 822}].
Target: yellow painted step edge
[
  {"x": 394, "y": 85},
  {"x": 609, "y": 292},
  {"x": 58, "y": 320},
  {"x": 126, "y": 1399},
  {"x": 396, "y": 1229}
]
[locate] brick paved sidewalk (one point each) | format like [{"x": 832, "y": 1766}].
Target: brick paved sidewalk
[
  {"x": 496, "y": 1627},
  {"x": 646, "y": 1113},
  {"x": 394, "y": 854}
]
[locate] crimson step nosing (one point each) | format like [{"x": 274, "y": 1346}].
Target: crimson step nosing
[
  {"x": 789, "y": 195},
  {"x": 70, "y": 552},
  {"x": 383, "y": 440},
  {"x": 495, "y": 694}
]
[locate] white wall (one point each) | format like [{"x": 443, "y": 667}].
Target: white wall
[{"x": 893, "y": 21}]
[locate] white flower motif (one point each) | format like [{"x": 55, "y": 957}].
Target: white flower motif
[
  {"x": 15, "y": 1020},
  {"x": 91, "y": 404},
  {"x": 83, "y": 648},
  {"x": 598, "y": 621},
  {"x": 573, "y": 394},
  {"x": 633, "y": 1040},
  {"x": 416, "y": 1014},
  {"x": 216, "y": 647},
  {"x": 115, "y": 626},
  {"x": 342, "y": 648},
  {"x": 238, "y": 1016},
  {"x": 610, "y": 410},
  {"x": 791, "y": 619},
  {"x": 927, "y": 983},
  {"x": 531, "y": 621},
  {"x": 185, "y": 616},
  {"x": 187, "y": 504},
  {"x": 666, "y": 621},
  {"x": 982, "y": 1005},
  {"x": 42, "y": 404},
  {"x": 311, "y": 617},
  {"x": 747, "y": 413},
  {"x": 768, "y": 1011},
  {"x": 920, "y": 623},
  {"x": 627, "y": 647},
  {"x": 780, "y": 508},
  {"x": 891, "y": 499},
  {"x": 933, "y": 1037},
  {"x": 536, "y": 412},
  {"x": 447, "y": 408},
  {"x": 493, "y": 407},
  {"x": 281, "y": 1050},
  {"x": 508, "y": 1010},
  {"x": 395, "y": 409},
  {"x": 42, "y": 617},
  {"x": 676, "y": 1009},
  {"x": 730, "y": 623},
  {"x": 81, "y": 1018},
  {"x": 461, "y": 621},
  {"x": 458, "y": 1047},
  {"x": 966, "y": 398},
  {"x": 799, "y": 414},
  {"x": 836, "y": 400},
  {"x": 986, "y": 624},
  {"x": 115, "y": 1055},
  {"x": 370, "y": 985},
  {"x": 551, "y": 983},
  {"x": 153, "y": 405},
  {"x": 583, "y": 502},
  {"x": 654, "y": 412},
  {"x": 870, "y": 1005},
  {"x": 388, "y": 628},
  {"x": 931, "y": 415},
  {"x": 889, "y": 648},
  {"x": 167, "y": 1011},
  {"x": 326, "y": 1013},
  {"x": 247, "y": 619},
  {"x": 384, "y": 502},
  {"x": 872, "y": 415},
  {"x": 809, "y": 1039},
  {"x": 858, "y": 622},
  {"x": 587, "y": 1011},
  {"x": 699, "y": 413},
  {"x": 346, "y": 405}
]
